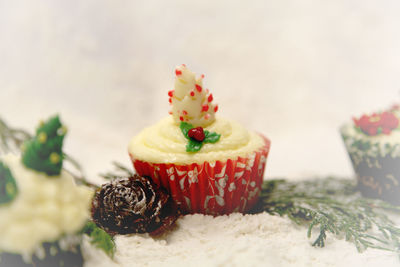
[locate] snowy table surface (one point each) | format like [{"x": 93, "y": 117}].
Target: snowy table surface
[{"x": 236, "y": 240}]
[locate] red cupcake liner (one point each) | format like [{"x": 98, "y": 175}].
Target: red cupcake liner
[{"x": 211, "y": 188}]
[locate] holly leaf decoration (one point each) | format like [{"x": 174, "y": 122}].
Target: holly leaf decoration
[
  {"x": 100, "y": 238},
  {"x": 8, "y": 186},
  {"x": 185, "y": 127},
  {"x": 193, "y": 144},
  {"x": 211, "y": 137}
]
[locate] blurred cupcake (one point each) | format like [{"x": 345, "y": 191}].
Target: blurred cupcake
[
  {"x": 373, "y": 143},
  {"x": 209, "y": 164},
  {"x": 42, "y": 211}
]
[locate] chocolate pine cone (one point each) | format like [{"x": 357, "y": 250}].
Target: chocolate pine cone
[{"x": 132, "y": 205}]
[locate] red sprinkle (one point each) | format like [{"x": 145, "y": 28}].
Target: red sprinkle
[
  {"x": 197, "y": 134},
  {"x": 204, "y": 107},
  {"x": 181, "y": 118},
  {"x": 178, "y": 72},
  {"x": 171, "y": 93},
  {"x": 216, "y": 108},
  {"x": 210, "y": 98},
  {"x": 184, "y": 112},
  {"x": 170, "y": 112},
  {"x": 191, "y": 93},
  {"x": 170, "y": 100},
  {"x": 198, "y": 87},
  {"x": 202, "y": 76},
  {"x": 207, "y": 116}
]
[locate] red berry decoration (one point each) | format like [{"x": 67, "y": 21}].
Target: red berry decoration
[{"x": 197, "y": 134}]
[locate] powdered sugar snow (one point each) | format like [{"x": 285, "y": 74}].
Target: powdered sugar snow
[{"x": 236, "y": 240}]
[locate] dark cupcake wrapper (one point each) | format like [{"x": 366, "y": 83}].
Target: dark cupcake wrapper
[
  {"x": 376, "y": 164},
  {"x": 53, "y": 256},
  {"x": 378, "y": 177}
]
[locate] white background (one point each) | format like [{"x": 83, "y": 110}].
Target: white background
[{"x": 293, "y": 70}]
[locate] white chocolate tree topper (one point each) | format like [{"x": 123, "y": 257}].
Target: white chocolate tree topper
[{"x": 190, "y": 102}]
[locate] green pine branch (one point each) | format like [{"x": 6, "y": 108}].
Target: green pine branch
[
  {"x": 333, "y": 206},
  {"x": 119, "y": 171},
  {"x": 11, "y": 139}
]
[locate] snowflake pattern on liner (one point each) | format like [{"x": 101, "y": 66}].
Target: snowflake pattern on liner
[{"x": 211, "y": 188}]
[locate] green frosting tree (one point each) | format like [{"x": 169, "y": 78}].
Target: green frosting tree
[
  {"x": 8, "y": 186},
  {"x": 43, "y": 152}
]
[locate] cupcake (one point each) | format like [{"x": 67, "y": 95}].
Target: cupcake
[
  {"x": 42, "y": 210},
  {"x": 373, "y": 144},
  {"x": 209, "y": 164}
]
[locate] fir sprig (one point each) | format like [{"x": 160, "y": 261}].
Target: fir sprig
[
  {"x": 334, "y": 207},
  {"x": 11, "y": 138},
  {"x": 119, "y": 171}
]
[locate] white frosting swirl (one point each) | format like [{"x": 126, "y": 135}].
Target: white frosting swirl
[
  {"x": 45, "y": 209},
  {"x": 165, "y": 143}
]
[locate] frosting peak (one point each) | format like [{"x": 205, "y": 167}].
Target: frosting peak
[{"x": 190, "y": 102}]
